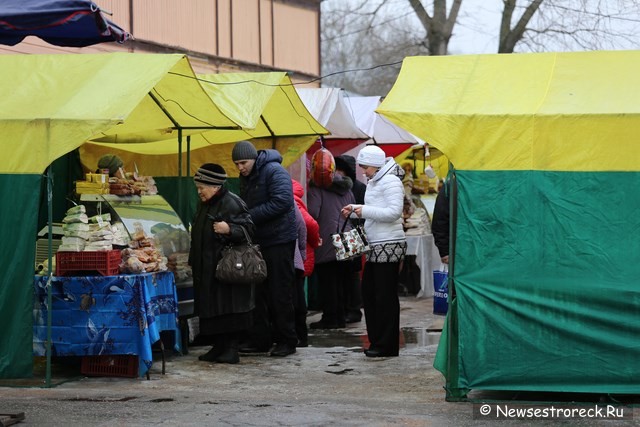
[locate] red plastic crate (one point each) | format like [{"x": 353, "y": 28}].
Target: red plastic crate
[
  {"x": 105, "y": 263},
  {"x": 112, "y": 365}
]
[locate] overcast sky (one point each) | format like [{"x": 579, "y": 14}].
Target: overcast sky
[{"x": 477, "y": 28}]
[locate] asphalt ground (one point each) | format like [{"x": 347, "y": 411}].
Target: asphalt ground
[{"x": 329, "y": 383}]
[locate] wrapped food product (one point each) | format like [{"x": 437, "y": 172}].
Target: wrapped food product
[
  {"x": 81, "y": 217},
  {"x": 75, "y": 226},
  {"x": 78, "y": 209},
  {"x": 100, "y": 218},
  {"x": 76, "y": 233}
]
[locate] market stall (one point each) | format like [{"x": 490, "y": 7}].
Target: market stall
[
  {"x": 120, "y": 263},
  {"x": 100, "y": 317},
  {"x": 153, "y": 218},
  {"x": 543, "y": 263},
  {"x": 64, "y": 101}
]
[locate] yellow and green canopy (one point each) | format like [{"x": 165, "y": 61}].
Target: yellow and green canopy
[
  {"x": 265, "y": 105},
  {"x": 54, "y": 103},
  {"x": 140, "y": 104},
  {"x": 546, "y": 150}
]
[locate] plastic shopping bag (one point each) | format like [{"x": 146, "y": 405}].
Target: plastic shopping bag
[{"x": 441, "y": 290}]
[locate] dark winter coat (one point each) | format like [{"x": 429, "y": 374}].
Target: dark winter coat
[
  {"x": 301, "y": 243},
  {"x": 268, "y": 193},
  {"x": 440, "y": 223},
  {"x": 324, "y": 206},
  {"x": 347, "y": 163},
  {"x": 211, "y": 297}
]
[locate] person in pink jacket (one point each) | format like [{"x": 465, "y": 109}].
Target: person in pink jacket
[{"x": 313, "y": 241}]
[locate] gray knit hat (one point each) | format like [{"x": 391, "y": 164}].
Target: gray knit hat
[
  {"x": 244, "y": 150},
  {"x": 210, "y": 174}
]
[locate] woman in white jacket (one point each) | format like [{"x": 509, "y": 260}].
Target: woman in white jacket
[{"x": 382, "y": 211}]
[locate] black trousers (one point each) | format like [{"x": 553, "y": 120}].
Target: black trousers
[
  {"x": 300, "y": 308},
  {"x": 353, "y": 291},
  {"x": 274, "y": 314},
  {"x": 332, "y": 280},
  {"x": 382, "y": 306}
]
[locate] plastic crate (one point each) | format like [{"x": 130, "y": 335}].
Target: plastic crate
[
  {"x": 110, "y": 366},
  {"x": 105, "y": 263}
]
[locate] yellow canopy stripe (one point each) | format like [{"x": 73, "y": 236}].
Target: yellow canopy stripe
[
  {"x": 291, "y": 148},
  {"x": 267, "y": 107},
  {"x": 575, "y": 111},
  {"x": 58, "y": 102}
]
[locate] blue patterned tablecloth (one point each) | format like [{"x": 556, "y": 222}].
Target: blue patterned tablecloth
[{"x": 101, "y": 315}]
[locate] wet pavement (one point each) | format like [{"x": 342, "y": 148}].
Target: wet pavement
[{"x": 330, "y": 382}]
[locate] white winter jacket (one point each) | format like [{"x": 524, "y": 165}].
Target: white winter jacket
[{"x": 383, "y": 203}]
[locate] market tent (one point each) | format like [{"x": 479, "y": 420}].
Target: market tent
[
  {"x": 423, "y": 155},
  {"x": 391, "y": 138},
  {"x": 265, "y": 105},
  {"x": 330, "y": 107},
  {"x": 57, "y": 103},
  {"x": 546, "y": 150},
  {"x": 61, "y": 101},
  {"x": 74, "y": 23}
]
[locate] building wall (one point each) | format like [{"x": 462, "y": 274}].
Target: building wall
[{"x": 217, "y": 35}]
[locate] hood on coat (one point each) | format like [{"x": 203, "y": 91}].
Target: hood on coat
[
  {"x": 390, "y": 167},
  {"x": 266, "y": 156},
  {"x": 347, "y": 164},
  {"x": 341, "y": 184}
]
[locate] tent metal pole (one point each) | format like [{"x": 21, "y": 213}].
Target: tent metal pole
[
  {"x": 273, "y": 136},
  {"x": 188, "y": 155},
  {"x": 452, "y": 329},
  {"x": 180, "y": 169},
  {"x": 50, "y": 256},
  {"x": 179, "y": 152}
]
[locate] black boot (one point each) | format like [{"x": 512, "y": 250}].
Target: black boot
[
  {"x": 230, "y": 353},
  {"x": 217, "y": 349}
]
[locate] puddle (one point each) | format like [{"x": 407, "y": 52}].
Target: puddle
[
  {"x": 409, "y": 338},
  {"x": 414, "y": 337}
]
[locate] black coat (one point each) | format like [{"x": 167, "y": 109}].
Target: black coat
[
  {"x": 211, "y": 297},
  {"x": 440, "y": 223}
]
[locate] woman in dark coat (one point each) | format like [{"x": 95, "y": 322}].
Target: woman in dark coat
[{"x": 224, "y": 309}]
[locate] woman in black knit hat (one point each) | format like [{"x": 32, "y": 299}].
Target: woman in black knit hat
[{"x": 224, "y": 309}]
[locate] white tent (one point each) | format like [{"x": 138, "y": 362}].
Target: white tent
[
  {"x": 328, "y": 107},
  {"x": 379, "y": 128}
]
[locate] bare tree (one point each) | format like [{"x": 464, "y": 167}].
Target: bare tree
[
  {"x": 360, "y": 34},
  {"x": 438, "y": 26},
  {"x": 367, "y": 44},
  {"x": 510, "y": 36}
]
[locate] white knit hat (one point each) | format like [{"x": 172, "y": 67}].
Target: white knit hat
[{"x": 372, "y": 155}]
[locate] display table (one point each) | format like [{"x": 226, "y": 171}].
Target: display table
[
  {"x": 103, "y": 315},
  {"x": 427, "y": 258}
]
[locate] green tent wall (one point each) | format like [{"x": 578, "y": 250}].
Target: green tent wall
[
  {"x": 19, "y": 213},
  {"x": 545, "y": 271}
]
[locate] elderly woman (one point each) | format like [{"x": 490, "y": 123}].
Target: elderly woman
[
  {"x": 382, "y": 212},
  {"x": 224, "y": 309}
]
